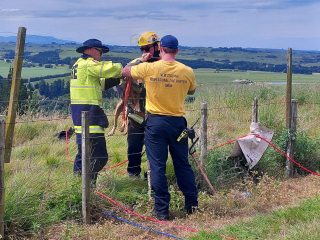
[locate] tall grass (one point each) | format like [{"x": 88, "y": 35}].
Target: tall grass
[{"x": 41, "y": 189}]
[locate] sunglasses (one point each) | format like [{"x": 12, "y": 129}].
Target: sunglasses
[
  {"x": 145, "y": 49},
  {"x": 99, "y": 50}
]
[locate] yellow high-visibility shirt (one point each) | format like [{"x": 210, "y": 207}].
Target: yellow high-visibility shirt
[
  {"x": 167, "y": 84},
  {"x": 88, "y": 80}
]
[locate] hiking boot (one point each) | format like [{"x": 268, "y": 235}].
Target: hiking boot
[
  {"x": 134, "y": 176},
  {"x": 160, "y": 216},
  {"x": 190, "y": 209}
]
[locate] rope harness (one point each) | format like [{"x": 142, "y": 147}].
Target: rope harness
[{"x": 128, "y": 92}]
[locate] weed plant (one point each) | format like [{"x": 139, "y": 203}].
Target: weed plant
[{"x": 306, "y": 154}]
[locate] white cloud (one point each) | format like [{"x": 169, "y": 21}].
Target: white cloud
[
  {"x": 244, "y": 23},
  {"x": 9, "y": 10}
]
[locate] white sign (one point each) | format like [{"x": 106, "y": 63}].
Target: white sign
[{"x": 251, "y": 146}]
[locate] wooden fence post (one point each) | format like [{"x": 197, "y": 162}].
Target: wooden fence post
[
  {"x": 292, "y": 138},
  {"x": 289, "y": 89},
  {"x": 85, "y": 161},
  {"x": 14, "y": 94},
  {"x": 203, "y": 134},
  {"x": 2, "y": 188},
  {"x": 255, "y": 110}
]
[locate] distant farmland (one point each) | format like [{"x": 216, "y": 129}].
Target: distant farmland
[
  {"x": 205, "y": 76},
  {"x": 28, "y": 72}
]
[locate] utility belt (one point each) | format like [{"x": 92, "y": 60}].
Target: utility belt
[{"x": 189, "y": 132}]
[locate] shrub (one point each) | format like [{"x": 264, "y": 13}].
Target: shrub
[
  {"x": 220, "y": 170},
  {"x": 225, "y": 172}
]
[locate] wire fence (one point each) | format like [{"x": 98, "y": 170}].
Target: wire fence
[
  {"x": 39, "y": 176},
  {"x": 41, "y": 189},
  {"x": 39, "y": 182}
]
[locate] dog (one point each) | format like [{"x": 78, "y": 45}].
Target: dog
[{"x": 62, "y": 135}]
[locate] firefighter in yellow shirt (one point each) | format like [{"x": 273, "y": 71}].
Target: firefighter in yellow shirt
[
  {"x": 167, "y": 83},
  {"x": 149, "y": 43},
  {"x": 90, "y": 76}
]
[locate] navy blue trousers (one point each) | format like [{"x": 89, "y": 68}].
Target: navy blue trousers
[
  {"x": 98, "y": 155},
  {"x": 135, "y": 144},
  {"x": 162, "y": 132}
]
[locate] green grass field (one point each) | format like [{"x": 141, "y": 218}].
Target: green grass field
[
  {"x": 205, "y": 76},
  {"x": 4, "y": 68},
  {"x": 28, "y": 72},
  {"x": 42, "y": 71}
]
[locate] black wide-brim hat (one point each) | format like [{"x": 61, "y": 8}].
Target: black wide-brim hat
[{"x": 92, "y": 43}]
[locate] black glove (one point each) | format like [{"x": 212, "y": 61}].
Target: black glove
[{"x": 111, "y": 82}]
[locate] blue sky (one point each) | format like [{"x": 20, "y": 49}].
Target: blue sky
[{"x": 215, "y": 23}]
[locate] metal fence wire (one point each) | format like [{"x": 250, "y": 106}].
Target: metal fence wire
[{"x": 38, "y": 188}]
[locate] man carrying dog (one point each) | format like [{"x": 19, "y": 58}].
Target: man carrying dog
[{"x": 135, "y": 108}]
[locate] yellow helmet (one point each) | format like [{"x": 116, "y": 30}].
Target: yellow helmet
[{"x": 148, "y": 38}]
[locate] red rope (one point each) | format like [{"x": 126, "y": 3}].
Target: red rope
[
  {"x": 128, "y": 92},
  {"x": 271, "y": 146},
  {"x": 222, "y": 144},
  {"x": 228, "y": 142},
  {"x": 190, "y": 229},
  {"x": 287, "y": 156},
  {"x": 231, "y": 141},
  {"x": 116, "y": 165},
  {"x": 67, "y": 155}
]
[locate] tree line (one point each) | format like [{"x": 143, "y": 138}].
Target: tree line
[
  {"x": 41, "y": 96},
  {"x": 26, "y": 94},
  {"x": 52, "y": 57}
]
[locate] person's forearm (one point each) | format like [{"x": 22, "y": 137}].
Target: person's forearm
[{"x": 126, "y": 71}]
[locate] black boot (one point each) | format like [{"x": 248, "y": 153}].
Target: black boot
[
  {"x": 190, "y": 209},
  {"x": 160, "y": 216}
]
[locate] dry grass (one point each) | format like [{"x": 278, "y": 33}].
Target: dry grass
[{"x": 215, "y": 212}]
